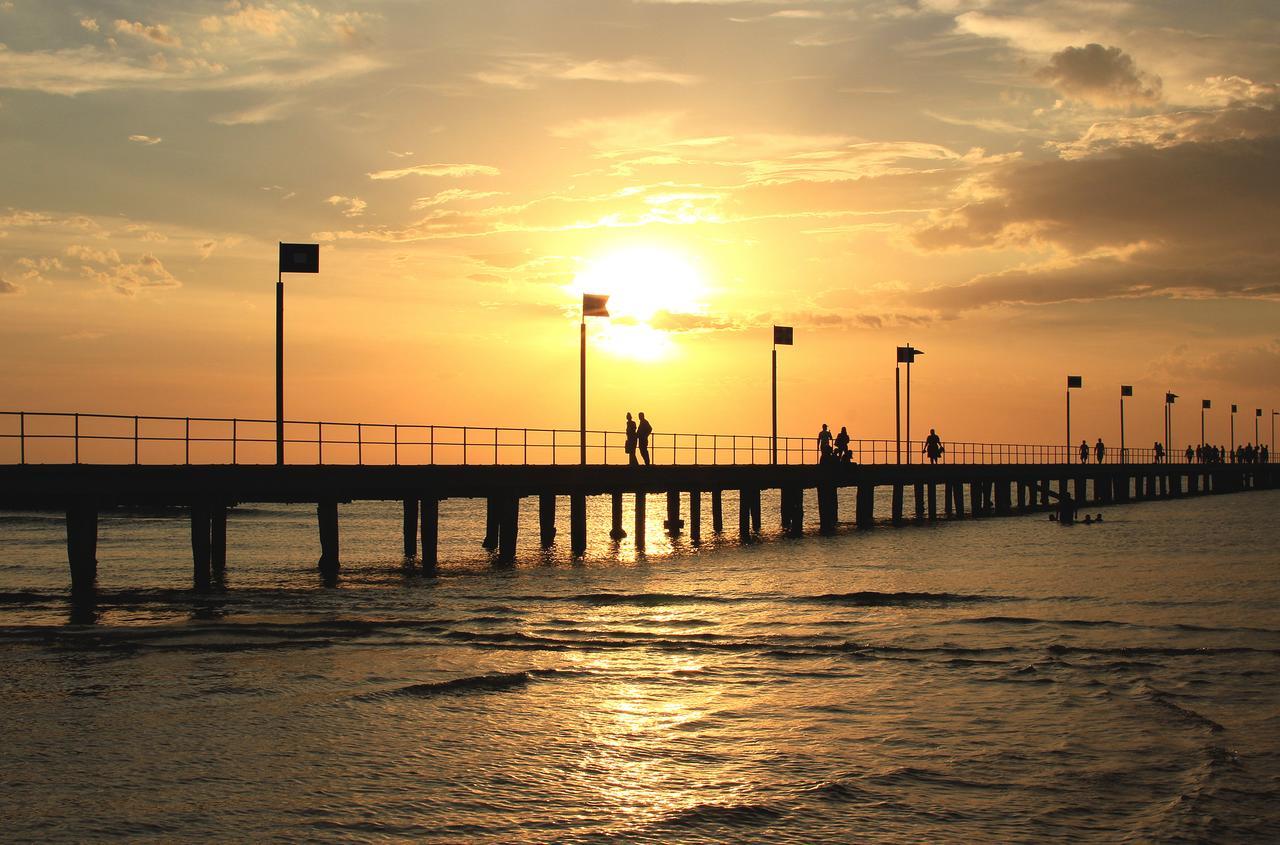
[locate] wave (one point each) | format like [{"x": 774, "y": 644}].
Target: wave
[
  {"x": 648, "y": 599},
  {"x": 494, "y": 682},
  {"x": 1165, "y": 701},
  {"x": 1162, "y": 651},
  {"x": 873, "y": 598},
  {"x": 746, "y": 813}
]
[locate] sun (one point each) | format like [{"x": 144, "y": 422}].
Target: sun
[{"x": 644, "y": 284}]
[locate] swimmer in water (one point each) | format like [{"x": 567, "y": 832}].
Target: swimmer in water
[{"x": 1088, "y": 520}]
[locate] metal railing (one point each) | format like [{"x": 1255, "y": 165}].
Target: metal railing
[{"x": 63, "y": 438}]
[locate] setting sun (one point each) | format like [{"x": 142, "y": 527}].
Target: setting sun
[{"x": 643, "y": 283}]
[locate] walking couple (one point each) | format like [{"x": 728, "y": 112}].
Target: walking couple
[{"x": 638, "y": 438}]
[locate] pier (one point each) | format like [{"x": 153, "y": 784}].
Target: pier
[{"x": 988, "y": 480}]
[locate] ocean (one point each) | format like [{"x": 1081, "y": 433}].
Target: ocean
[{"x": 1008, "y": 680}]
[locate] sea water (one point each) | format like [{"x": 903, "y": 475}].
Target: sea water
[{"x": 997, "y": 679}]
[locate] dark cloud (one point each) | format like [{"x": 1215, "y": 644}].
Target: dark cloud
[
  {"x": 1102, "y": 76},
  {"x": 1195, "y": 218},
  {"x": 1256, "y": 366}
]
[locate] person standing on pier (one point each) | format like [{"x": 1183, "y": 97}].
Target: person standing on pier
[
  {"x": 642, "y": 437},
  {"x": 630, "y": 446},
  {"x": 1084, "y": 452},
  {"x": 1158, "y": 448},
  {"x": 1099, "y": 450},
  {"x": 933, "y": 446},
  {"x": 824, "y": 444},
  {"x": 1191, "y": 453},
  {"x": 842, "y": 444}
]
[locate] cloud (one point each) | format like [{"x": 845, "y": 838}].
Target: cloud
[
  {"x": 451, "y": 195},
  {"x": 145, "y": 139},
  {"x": 89, "y": 24},
  {"x": 454, "y": 170},
  {"x": 1100, "y": 76},
  {"x": 8, "y": 287},
  {"x": 353, "y": 206},
  {"x": 128, "y": 278},
  {"x": 529, "y": 71},
  {"x": 155, "y": 33}
]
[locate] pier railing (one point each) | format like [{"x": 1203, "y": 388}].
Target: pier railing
[{"x": 71, "y": 438}]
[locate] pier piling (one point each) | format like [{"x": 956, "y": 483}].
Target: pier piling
[
  {"x": 616, "y": 531},
  {"x": 865, "y": 506},
  {"x": 327, "y": 515},
  {"x": 430, "y": 533},
  {"x": 509, "y": 529},
  {"x": 695, "y": 517},
  {"x": 546, "y": 519},
  {"x": 578, "y": 524},
  {"x": 492, "y": 517},
  {"x": 640, "y": 522},
  {"x": 200, "y": 556},
  {"x": 82, "y": 548},
  {"x": 410, "y": 528},
  {"x": 717, "y": 512},
  {"x": 673, "y": 522}
]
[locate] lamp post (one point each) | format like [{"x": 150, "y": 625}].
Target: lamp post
[
  {"x": 593, "y": 305},
  {"x": 1257, "y": 414},
  {"x": 1169, "y": 399},
  {"x": 1232, "y": 456},
  {"x": 906, "y": 355},
  {"x": 1078, "y": 382},
  {"x": 782, "y": 336},
  {"x": 1272, "y": 448},
  {"x": 1205, "y": 405},
  {"x": 1125, "y": 390},
  {"x": 294, "y": 258}
]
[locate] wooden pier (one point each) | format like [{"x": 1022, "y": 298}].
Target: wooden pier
[{"x": 209, "y": 492}]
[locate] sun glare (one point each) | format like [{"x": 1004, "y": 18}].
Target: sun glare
[{"x": 643, "y": 284}]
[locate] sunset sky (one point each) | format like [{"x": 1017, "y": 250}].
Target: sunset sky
[{"x": 1022, "y": 189}]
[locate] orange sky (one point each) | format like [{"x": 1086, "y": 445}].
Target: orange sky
[{"x": 1022, "y": 189}]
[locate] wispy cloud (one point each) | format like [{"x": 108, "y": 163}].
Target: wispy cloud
[
  {"x": 351, "y": 206},
  {"x": 145, "y": 139},
  {"x": 453, "y": 170}
]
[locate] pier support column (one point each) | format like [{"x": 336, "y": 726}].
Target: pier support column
[
  {"x": 327, "y": 515},
  {"x": 640, "y": 522},
  {"x": 896, "y": 507},
  {"x": 578, "y": 524},
  {"x": 410, "y": 528},
  {"x": 828, "y": 509},
  {"x": 795, "y": 511},
  {"x": 1044, "y": 493},
  {"x": 200, "y": 546},
  {"x": 430, "y": 517},
  {"x": 1003, "y": 507},
  {"x": 717, "y": 512},
  {"x": 1193, "y": 483},
  {"x": 744, "y": 515},
  {"x": 864, "y": 508},
  {"x": 547, "y": 519},
  {"x": 82, "y": 548},
  {"x": 509, "y": 529},
  {"x": 616, "y": 531},
  {"x": 1021, "y": 487},
  {"x": 673, "y": 522},
  {"x": 919, "y": 502},
  {"x": 933, "y": 502},
  {"x": 1176, "y": 484},
  {"x": 975, "y": 498},
  {"x": 492, "y": 517},
  {"x": 755, "y": 511},
  {"x": 218, "y": 543},
  {"x": 695, "y": 517},
  {"x": 1104, "y": 488},
  {"x": 957, "y": 493},
  {"x": 1080, "y": 496},
  {"x": 948, "y": 498}
]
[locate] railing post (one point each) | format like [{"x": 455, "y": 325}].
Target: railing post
[
  {"x": 235, "y": 439},
  {"x": 360, "y": 444},
  {"x": 495, "y": 447},
  {"x": 186, "y": 442},
  {"x": 553, "y": 447},
  {"x": 135, "y": 440},
  {"x": 320, "y": 443},
  {"x": 77, "y": 438},
  {"x": 431, "y": 458},
  {"x": 524, "y": 444},
  {"x": 22, "y": 438},
  {"x": 695, "y": 449},
  {"x": 395, "y": 448},
  {"x": 464, "y": 445}
]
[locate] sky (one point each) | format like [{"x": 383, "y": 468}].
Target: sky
[{"x": 1023, "y": 190}]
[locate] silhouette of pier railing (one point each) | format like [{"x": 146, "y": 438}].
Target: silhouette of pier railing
[{"x": 28, "y": 437}]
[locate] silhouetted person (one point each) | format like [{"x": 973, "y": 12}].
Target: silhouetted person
[
  {"x": 1264, "y": 455},
  {"x": 642, "y": 438},
  {"x": 1088, "y": 520},
  {"x": 1098, "y": 518},
  {"x": 842, "y": 444},
  {"x": 1099, "y": 450},
  {"x": 1191, "y": 453},
  {"x": 631, "y": 441},
  {"x": 933, "y": 446},
  {"x": 824, "y": 444},
  {"x": 1084, "y": 452},
  {"x": 1158, "y": 448}
]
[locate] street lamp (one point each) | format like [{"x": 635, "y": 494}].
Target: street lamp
[
  {"x": 906, "y": 355},
  {"x": 1233, "y": 432},
  {"x": 1169, "y": 399},
  {"x": 782, "y": 336},
  {"x": 1205, "y": 405},
  {"x": 1072, "y": 381},
  {"x": 294, "y": 258},
  {"x": 593, "y": 305},
  {"x": 1125, "y": 390},
  {"x": 1256, "y": 415}
]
